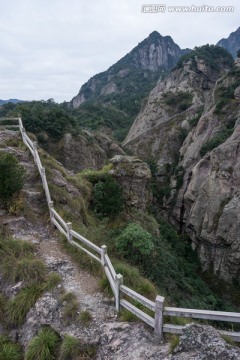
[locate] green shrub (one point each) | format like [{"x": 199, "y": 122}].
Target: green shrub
[
  {"x": 11, "y": 177},
  {"x": 135, "y": 243},
  {"x": 73, "y": 349},
  {"x": 214, "y": 57},
  {"x": 216, "y": 141},
  {"x": 107, "y": 198},
  {"x": 181, "y": 100},
  {"x": 44, "y": 346}
]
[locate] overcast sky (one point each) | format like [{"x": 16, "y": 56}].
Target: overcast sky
[{"x": 49, "y": 48}]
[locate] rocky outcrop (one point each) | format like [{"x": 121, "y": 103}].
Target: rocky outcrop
[
  {"x": 205, "y": 202},
  {"x": 232, "y": 43},
  {"x": 211, "y": 205},
  {"x": 129, "y": 341},
  {"x": 84, "y": 151},
  {"x": 201, "y": 342},
  {"x": 133, "y": 175},
  {"x": 171, "y": 110}
]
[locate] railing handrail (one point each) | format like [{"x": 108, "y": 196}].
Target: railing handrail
[{"x": 116, "y": 280}]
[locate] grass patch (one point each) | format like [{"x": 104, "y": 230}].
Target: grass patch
[
  {"x": 3, "y": 302},
  {"x": 73, "y": 349},
  {"x": 127, "y": 316},
  {"x": 69, "y": 296},
  {"x": 51, "y": 281},
  {"x": 44, "y": 346},
  {"x": 174, "y": 342},
  {"x": 26, "y": 269},
  {"x": 15, "y": 248},
  {"x": 18, "y": 307},
  {"x": 70, "y": 308},
  {"x": 228, "y": 340},
  {"x": 10, "y": 351},
  {"x": 85, "y": 318},
  {"x": 19, "y": 264}
]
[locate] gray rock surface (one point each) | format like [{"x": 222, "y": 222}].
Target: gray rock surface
[
  {"x": 206, "y": 205},
  {"x": 129, "y": 341},
  {"x": 133, "y": 175},
  {"x": 199, "y": 342}
]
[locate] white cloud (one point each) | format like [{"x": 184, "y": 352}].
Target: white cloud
[{"x": 49, "y": 48}]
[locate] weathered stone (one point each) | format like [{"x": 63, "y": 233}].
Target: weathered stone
[
  {"x": 201, "y": 342},
  {"x": 133, "y": 175},
  {"x": 129, "y": 341}
]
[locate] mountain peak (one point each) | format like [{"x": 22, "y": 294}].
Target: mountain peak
[
  {"x": 154, "y": 34},
  {"x": 232, "y": 43}
]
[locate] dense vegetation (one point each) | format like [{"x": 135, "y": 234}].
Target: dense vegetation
[
  {"x": 118, "y": 109},
  {"x": 180, "y": 100},
  {"x": 214, "y": 56},
  {"x": 11, "y": 178}
]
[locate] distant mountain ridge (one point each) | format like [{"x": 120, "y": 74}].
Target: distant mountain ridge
[
  {"x": 121, "y": 89},
  {"x": 154, "y": 55},
  {"x": 14, "y": 101},
  {"x": 232, "y": 43}
]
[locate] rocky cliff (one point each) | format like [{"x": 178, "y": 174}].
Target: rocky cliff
[
  {"x": 232, "y": 43},
  {"x": 156, "y": 53},
  {"x": 190, "y": 127},
  {"x": 121, "y": 88}
]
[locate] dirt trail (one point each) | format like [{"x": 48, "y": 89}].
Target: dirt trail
[{"x": 35, "y": 228}]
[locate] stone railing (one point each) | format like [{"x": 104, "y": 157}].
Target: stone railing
[{"x": 157, "y": 308}]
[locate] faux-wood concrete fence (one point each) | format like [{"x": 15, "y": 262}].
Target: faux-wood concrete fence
[{"x": 116, "y": 280}]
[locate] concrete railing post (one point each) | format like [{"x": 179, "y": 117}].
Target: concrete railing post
[
  {"x": 43, "y": 172},
  {"x": 158, "y": 325},
  {"x": 118, "y": 283},
  {"x": 103, "y": 253},
  {"x": 69, "y": 228},
  {"x": 35, "y": 151},
  {"x": 24, "y": 135},
  {"x": 50, "y": 205}
]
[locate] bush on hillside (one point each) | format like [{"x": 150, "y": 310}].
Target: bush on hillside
[
  {"x": 135, "y": 243},
  {"x": 11, "y": 177},
  {"x": 107, "y": 198}
]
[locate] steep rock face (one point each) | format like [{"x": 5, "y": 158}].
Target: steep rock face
[
  {"x": 133, "y": 175},
  {"x": 232, "y": 43},
  {"x": 171, "y": 110},
  {"x": 205, "y": 202}
]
